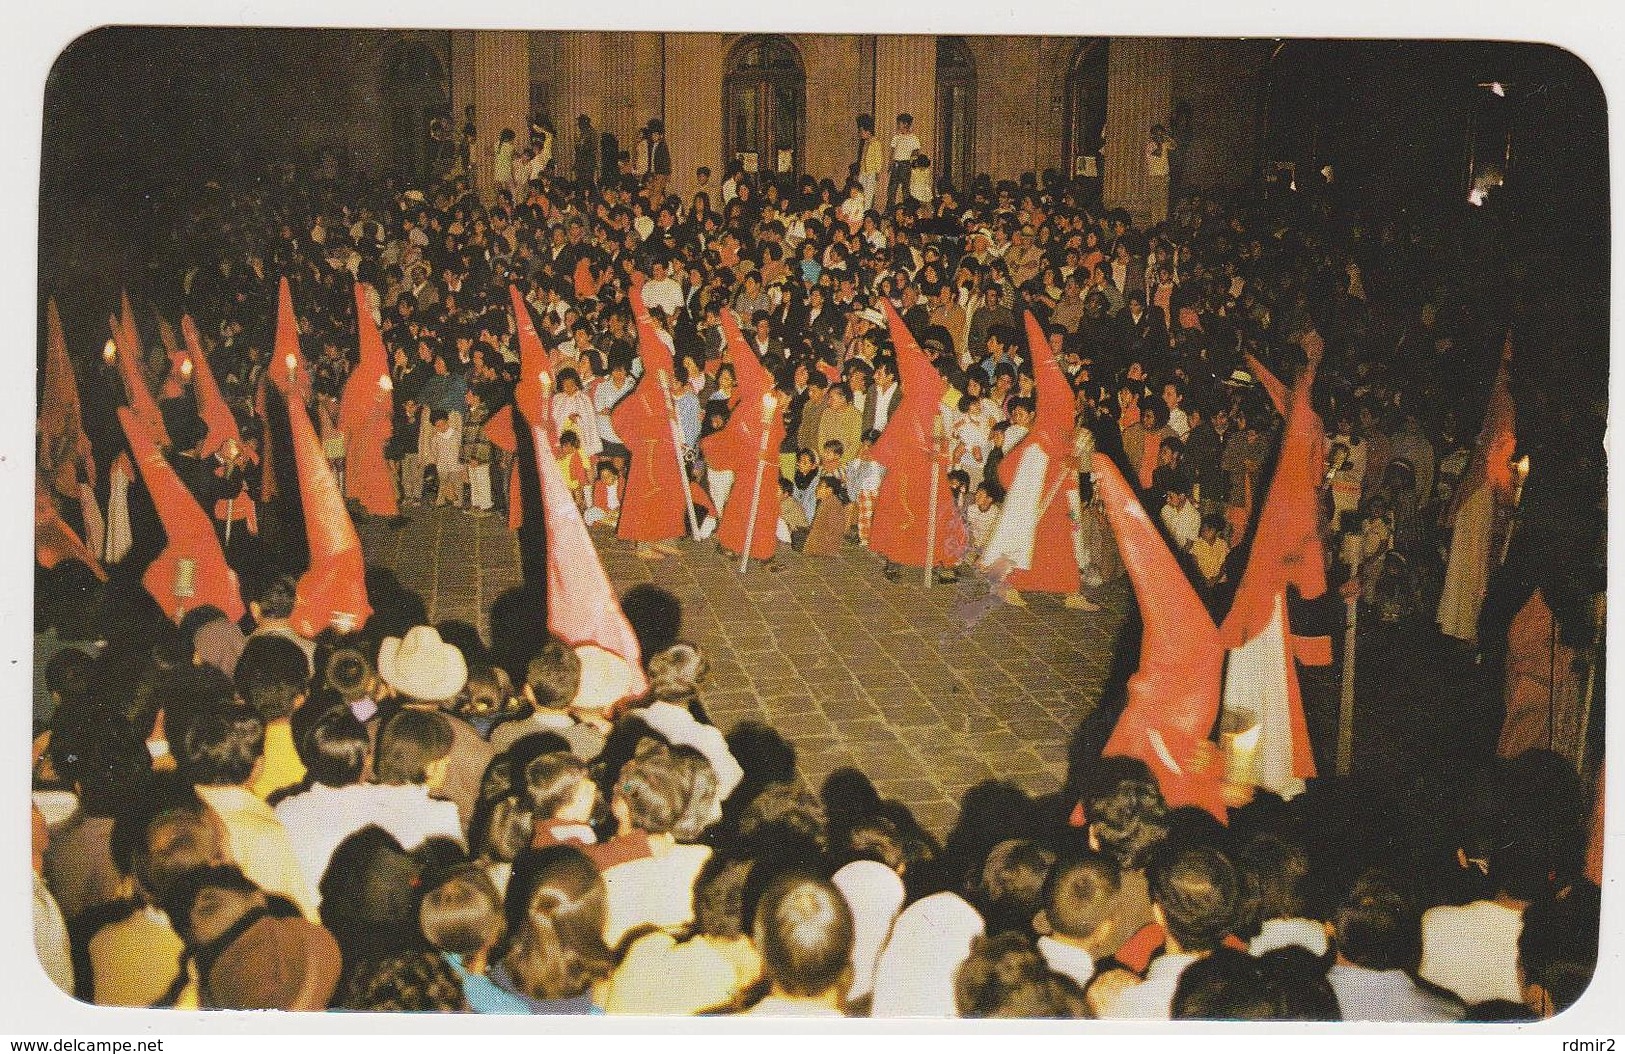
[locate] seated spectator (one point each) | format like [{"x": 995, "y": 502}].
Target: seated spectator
[
  {"x": 915, "y": 974},
  {"x": 655, "y": 886},
  {"x": 333, "y": 802},
  {"x": 1286, "y": 984},
  {"x": 556, "y": 960},
  {"x": 1557, "y": 948},
  {"x": 1194, "y": 896},
  {"x": 1075, "y": 924},
  {"x": 552, "y": 683},
  {"x": 273, "y": 676},
  {"x": 426, "y": 673},
  {"x": 662, "y": 974},
  {"x": 462, "y": 916},
  {"x": 222, "y": 749},
  {"x": 1005, "y": 976},
  {"x": 1281, "y": 869},
  {"x": 1378, "y": 945},
  {"x": 247, "y": 950},
  {"x": 413, "y": 755},
  {"x": 803, "y": 933}
]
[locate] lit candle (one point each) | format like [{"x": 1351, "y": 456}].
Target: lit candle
[
  {"x": 109, "y": 351},
  {"x": 546, "y": 381},
  {"x": 293, "y": 364},
  {"x": 385, "y": 384},
  {"x": 1523, "y": 474},
  {"x": 186, "y": 368}
]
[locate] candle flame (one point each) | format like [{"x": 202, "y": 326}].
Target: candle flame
[
  {"x": 109, "y": 351},
  {"x": 293, "y": 363},
  {"x": 1523, "y": 465},
  {"x": 186, "y": 367},
  {"x": 385, "y": 384},
  {"x": 545, "y": 380}
]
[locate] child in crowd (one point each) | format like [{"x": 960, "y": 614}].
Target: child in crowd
[
  {"x": 446, "y": 450},
  {"x": 829, "y": 519},
  {"x": 1210, "y": 550},
  {"x": 983, "y": 516},
  {"x": 573, "y": 467},
  {"x": 605, "y": 507}
]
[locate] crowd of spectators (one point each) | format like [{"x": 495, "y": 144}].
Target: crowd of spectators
[{"x": 413, "y": 818}]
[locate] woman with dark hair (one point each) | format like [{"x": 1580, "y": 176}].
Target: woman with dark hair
[{"x": 556, "y": 959}]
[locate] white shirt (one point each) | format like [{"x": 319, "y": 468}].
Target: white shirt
[
  {"x": 1153, "y": 998},
  {"x": 1183, "y": 523},
  {"x": 406, "y": 811},
  {"x": 1289, "y": 933},
  {"x": 903, "y": 146},
  {"x": 1179, "y": 422},
  {"x": 883, "y": 406},
  {"x": 321, "y": 818},
  {"x": 681, "y": 728},
  {"x": 664, "y": 293},
  {"x": 1472, "y": 950},
  {"x": 1386, "y": 995},
  {"x": 1068, "y": 959},
  {"x": 654, "y": 889}
]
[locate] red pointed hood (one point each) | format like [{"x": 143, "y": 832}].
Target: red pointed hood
[
  {"x": 1286, "y": 547},
  {"x": 913, "y": 424},
  {"x": 211, "y": 405},
  {"x": 582, "y": 608},
  {"x": 287, "y": 349},
  {"x": 533, "y": 362},
  {"x": 1173, "y": 698},
  {"x": 333, "y": 590},
  {"x": 190, "y": 535},
  {"x": 131, "y": 365},
  {"x": 652, "y": 347},
  {"x": 754, "y": 380},
  {"x": 363, "y": 389},
  {"x": 1272, "y": 384},
  {"x": 61, "y": 419},
  {"x": 54, "y": 540},
  {"x": 175, "y": 381},
  {"x": 1056, "y": 416}
]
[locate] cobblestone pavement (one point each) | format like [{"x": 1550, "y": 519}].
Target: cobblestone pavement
[{"x": 928, "y": 692}]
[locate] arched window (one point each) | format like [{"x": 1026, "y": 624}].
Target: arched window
[
  {"x": 414, "y": 95},
  {"x": 764, "y": 103},
  {"x": 956, "y": 111},
  {"x": 1083, "y": 132}
]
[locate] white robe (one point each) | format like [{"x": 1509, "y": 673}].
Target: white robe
[
  {"x": 1017, "y": 530},
  {"x": 118, "y": 516},
  {"x": 1255, "y": 692}
]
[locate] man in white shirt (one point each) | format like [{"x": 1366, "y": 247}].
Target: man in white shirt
[
  {"x": 1377, "y": 942},
  {"x": 904, "y": 145},
  {"x": 605, "y": 394},
  {"x": 884, "y": 398},
  {"x": 1181, "y": 518},
  {"x": 414, "y": 750},
  {"x": 337, "y": 804},
  {"x": 1173, "y": 394},
  {"x": 662, "y": 290},
  {"x": 1194, "y": 897}
]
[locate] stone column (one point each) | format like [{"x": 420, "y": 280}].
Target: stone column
[
  {"x": 462, "y": 76},
  {"x": 501, "y": 97},
  {"x": 581, "y": 92},
  {"x": 906, "y": 82},
  {"x": 1139, "y": 94},
  {"x": 693, "y": 109}
]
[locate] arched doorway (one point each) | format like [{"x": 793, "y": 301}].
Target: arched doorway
[
  {"x": 764, "y": 102},
  {"x": 414, "y": 94},
  {"x": 1084, "y": 121},
  {"x": 956, "y": 111}
]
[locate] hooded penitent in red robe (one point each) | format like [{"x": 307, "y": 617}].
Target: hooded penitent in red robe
[
  {"x": 1485, "y": 491},
  {"x": 54, "y": 540},
  {"x": 191, "y": 571},
  {"x": 582, "y": 608},
  {"x": 1031, "y": 547},
  {"x": 913, "y": 453},
  {"x": 333, "y": 589},
  {"x": 740, "y": 448},
  {"x": 1173, "y": 698},
  {"x": 500, "y": 427},
  {"x": 367, "y": 417},
  {"x": 63, "y": 445},
  {"x": 653, "y": 509},
  {"x": 211, "y": 405},
  {"x": 1262, "y": 678},
  {"x": 130, "y": 366}
]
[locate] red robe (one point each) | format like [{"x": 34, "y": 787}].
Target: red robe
[
  {"x": 740, "y": 447},
  {"x": 1055, "y": 559},
  {"x": 1173, "y": 698},
  {"x": 366, "y": 416},
  {"x": 1287, "y": 550},
  {"x": 189, "y": 533},
  {"x": 652, "y": 509},
  {"x": 333, "y": 589},
  {"x": 211, "y": 405},
  {"x": 912, "y": 455},
  {"x": 54, "y": 540}
]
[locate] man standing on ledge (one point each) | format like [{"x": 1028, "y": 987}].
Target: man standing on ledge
[{"x": 904, "y": 145}]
